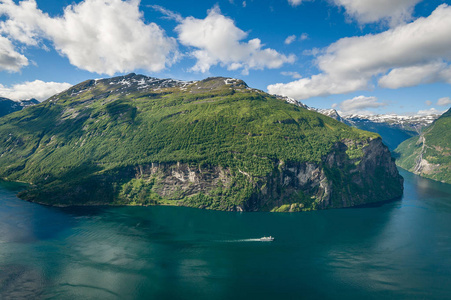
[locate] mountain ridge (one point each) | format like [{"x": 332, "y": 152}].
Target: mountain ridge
[
  {"x": 215, "y": 143},
  {"x": 8, "y": 106}
]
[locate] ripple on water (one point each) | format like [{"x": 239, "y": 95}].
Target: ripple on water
[{"x": 397, "y": 250}]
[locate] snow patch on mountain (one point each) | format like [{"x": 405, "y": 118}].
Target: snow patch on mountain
[{"x": 418, "y": 121}]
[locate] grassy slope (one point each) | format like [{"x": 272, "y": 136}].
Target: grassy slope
[
  {"x": 437, "y": 150},
  {"x": 94, "y": 129}
]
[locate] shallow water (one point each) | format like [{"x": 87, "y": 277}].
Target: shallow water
[{"x": 397, "y": 250}]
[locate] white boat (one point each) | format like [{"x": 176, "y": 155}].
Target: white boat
[{"x": 267, "y": 239}]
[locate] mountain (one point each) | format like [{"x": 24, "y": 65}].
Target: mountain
[
  {"x": 429, "y": 155},
  {"x": 412, "y": 123},
  {"x": 394, "y": 129},
  {"x": 215, "y": 143},
  {"x": 8, "y": 106},
  {"x": 332, "y": 113}
]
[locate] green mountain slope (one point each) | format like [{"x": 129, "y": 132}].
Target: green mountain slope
[
  {"x": 213, "y": 144},
  {"x": 430, "y": 154}
]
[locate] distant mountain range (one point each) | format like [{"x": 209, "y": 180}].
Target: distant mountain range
[
  {"x": 8, "y": 106},
  {"x": 394, "y": 129}
]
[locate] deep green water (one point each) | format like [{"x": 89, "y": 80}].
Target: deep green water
[{"x": 397, "y": 250}]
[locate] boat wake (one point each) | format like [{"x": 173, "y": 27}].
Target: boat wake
[{"x": 244, "y": 240}]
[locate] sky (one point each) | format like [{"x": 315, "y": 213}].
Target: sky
[{"x": 357, "y": 56}]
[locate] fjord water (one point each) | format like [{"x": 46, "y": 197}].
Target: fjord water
[{"x": 398, "y": 250}]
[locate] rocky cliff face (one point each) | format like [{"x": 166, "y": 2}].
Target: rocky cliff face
[
  {"x": 338, "y": 181},
  {"x": 369, "y": 179}
]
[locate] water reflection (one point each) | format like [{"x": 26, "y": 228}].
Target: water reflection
[
  {"x": 427, "y": 188},
  {"x": 398, "y": 249},
  {"x": 410, "y": 255}
]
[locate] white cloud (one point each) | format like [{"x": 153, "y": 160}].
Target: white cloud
[
  {"x": 37, "y": 89},
  {"x": 359, "y": 105},
  {"x": 303, "y": 36},
  {"x": 430, "y": 111},
  {"x": 102, "y": 36},
  {"x": 168, "y": 13},
  {"x": 370, "y": 11},
  {"x": 312, "y": 52},
  {"x": 318, "y": 85},
  {"x": 23, "y": 22},
  {"x": 350, "y": 64},
  {"x": 295, "y": 2},
  {"x": 294, "y": 75},
  {"x": 10, "y": 60},
  {"x": 218, "y": 41},
  {"x": 244, "y": 4},
  {"x": 415, "y": 75},
  {"x": 428, "y": 102},
  {"x": 290, "y": 39},
  {"x": 445, "y": 101}
]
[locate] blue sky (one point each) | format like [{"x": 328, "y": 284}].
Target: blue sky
[{"x": 358, "y": 56}]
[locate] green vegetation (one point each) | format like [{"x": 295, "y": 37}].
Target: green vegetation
[
  {"x": 354, "y": 150},
  {"x": 84, "y": 146},
  {"x": 433, "y": 147}
]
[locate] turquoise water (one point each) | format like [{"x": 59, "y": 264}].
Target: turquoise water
[{"x": 397, "y": 250}]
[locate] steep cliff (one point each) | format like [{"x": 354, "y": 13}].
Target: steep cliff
[
  {"x": 215, "y": 144},
  {"x": 429, "y": 155},
  {"x": 335, "y": 182}
]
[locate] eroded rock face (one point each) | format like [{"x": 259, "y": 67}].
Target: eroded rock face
[
  {"x": 369, "y": 179},
  {"x": 338, "y": 181},
  {"x": 177, "y": 181}
]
